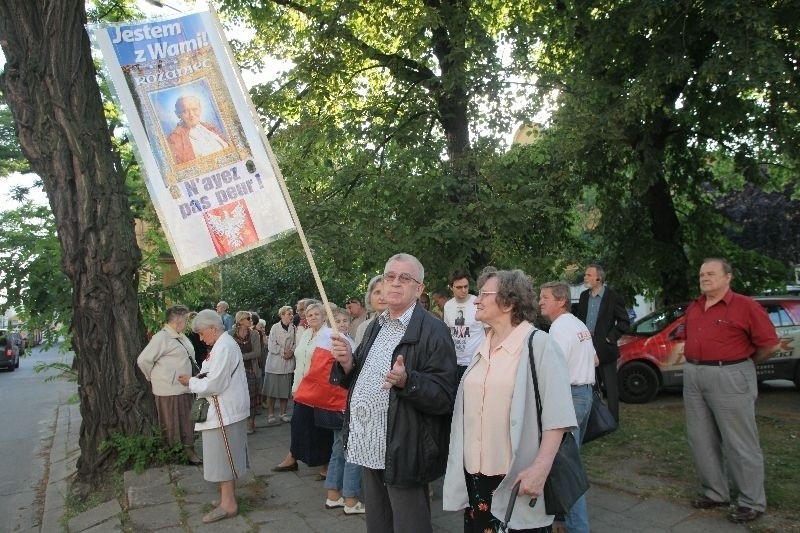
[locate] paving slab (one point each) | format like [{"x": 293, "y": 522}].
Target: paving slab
[
  {"x": 110, "y": 525},
  {"x": 109, "y": 510},
  {"x": 149, "y": 478},
  {"x": 662, "y": 513},
  {"x": 139, "y": 497},
  {"x": 611, "y": 500},
  {"x": 155, "y": 517}
]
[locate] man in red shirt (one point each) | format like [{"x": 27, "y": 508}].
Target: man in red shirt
[{"x": 726, "y": 335}]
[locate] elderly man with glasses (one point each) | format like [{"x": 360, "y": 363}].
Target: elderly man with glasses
[{"x": 402, "y": 380}]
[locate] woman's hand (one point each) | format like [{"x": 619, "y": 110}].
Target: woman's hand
[
  {"x": 532, "y": 480},
  {"x": 184, "y": 379}
]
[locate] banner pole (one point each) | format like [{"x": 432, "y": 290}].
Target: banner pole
[{"x": 278, "y": 175}]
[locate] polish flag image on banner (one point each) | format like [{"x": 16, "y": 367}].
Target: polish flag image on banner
[{"x": 230, "y": 227}]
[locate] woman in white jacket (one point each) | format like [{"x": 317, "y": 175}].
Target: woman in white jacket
[
  {"x": 169, "y": 354},
  {"x": 221, "y": 380}
]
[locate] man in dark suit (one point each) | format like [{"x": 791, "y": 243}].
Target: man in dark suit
[{"x": 604, "y": 313}]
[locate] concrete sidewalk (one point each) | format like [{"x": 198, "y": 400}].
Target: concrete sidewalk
[{"x": 174, "y": 498}]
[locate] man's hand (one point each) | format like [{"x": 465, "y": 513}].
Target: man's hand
[
  {"x": 762, "y": 354},
  {"x": 397, "y": 376},
  {"x": 342, "y": 352}
]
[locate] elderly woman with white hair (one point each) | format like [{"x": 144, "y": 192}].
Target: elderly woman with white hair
[{"x": 224, "y": 432}]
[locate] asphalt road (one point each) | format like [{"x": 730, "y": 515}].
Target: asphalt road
[{"x": 28, "y": 406}]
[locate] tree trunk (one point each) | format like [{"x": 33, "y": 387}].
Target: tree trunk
[
  {"x": 51, "y": 88},
  {"x": 664, "y": 223}
]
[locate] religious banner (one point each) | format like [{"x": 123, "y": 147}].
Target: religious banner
[{"x": 203, "y": 155}]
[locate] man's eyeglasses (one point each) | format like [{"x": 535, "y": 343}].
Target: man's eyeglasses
[
  {"x": 481, "y": 294},
  {"x": 404, "y": 278}
]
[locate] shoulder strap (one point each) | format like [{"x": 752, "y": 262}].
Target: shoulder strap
[
  {"x": 535, "y": 384},
  {"x": 191, "y": 359}
]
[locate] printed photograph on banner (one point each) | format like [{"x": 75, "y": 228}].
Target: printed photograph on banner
[
  {"x": 204, "y": 158},
  {"x": 185, "y": 104}
]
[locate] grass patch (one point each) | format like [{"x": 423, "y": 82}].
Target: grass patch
[
  {"x": 143, "y": 451},
  {"x": 649, "y": 454}
]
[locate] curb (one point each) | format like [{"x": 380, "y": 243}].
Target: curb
[{"x": 61, "y": 467}]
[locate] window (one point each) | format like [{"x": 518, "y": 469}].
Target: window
[
  {"x": 778, "y": 315},
  {"x": 655, "y": 322}
]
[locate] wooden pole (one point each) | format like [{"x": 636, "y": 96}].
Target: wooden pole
[{"x": 278, "y": 175}]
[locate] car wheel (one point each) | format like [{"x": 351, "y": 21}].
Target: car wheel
[
  {"x": 638, "y": 382},
  {"x": 16, "y": 365}
]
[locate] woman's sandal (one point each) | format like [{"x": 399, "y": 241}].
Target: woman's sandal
[{"x": 218, "y": 514}]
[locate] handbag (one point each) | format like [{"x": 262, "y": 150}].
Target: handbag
[
  {"x": 601, "y": 421},
  {"x": 566, "y": 481},
  {"x": 328, "y": 419},
  {"x": 199, "y": 410}
]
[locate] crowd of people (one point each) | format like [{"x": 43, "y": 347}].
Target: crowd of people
[{"x": 390, "y": 393}]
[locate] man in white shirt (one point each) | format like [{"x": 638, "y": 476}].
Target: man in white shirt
[
  {"x": 575, "y": 340},
  {"x": 459, "y": 315},
  {"x": 192, "y": 138}
]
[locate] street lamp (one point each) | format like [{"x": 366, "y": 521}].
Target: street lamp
[{"x": 162, "y": 5}]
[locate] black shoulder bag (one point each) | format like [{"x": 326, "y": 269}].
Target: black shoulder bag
[
  {"x": 567, "y": 480},
  {"x": 199, "y": 412}
]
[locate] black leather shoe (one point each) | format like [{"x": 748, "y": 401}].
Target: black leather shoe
[
  {"x": 743, "y": 514},
  {"x": 704, "y": 502},
  {"x": 289, "y": 468}
]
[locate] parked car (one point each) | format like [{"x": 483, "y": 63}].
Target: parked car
[
  {"x": 651, "y": 355},
  {"x": 10, "y": 343}
]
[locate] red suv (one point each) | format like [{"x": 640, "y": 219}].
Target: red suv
[{"x": 651, "y": 355}]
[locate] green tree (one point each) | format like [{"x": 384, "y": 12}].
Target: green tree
[
  {"x": 50, "y": 84},
  {"x": 30, "y": 272},
  {"x": 647, "y": 93},
  {"x": 11, "y": 157},
  {"x": 391, "y": 125}
]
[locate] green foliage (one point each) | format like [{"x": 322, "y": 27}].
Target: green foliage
[
  {"x": 31, "y": 279},
  {"x": 11, "y": 157},
  {"x": 266, "y": 279},
  {"x": 63, "y": 371},
  {"x": 142, "y": 451},
  {"x": 648, "y": 95}
]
